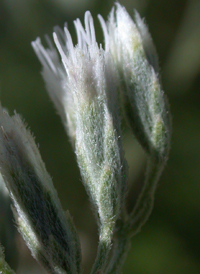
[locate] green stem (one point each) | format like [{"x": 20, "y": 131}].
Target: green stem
[
  {"x": 102, "y": 252},
  {"x": 101, "y": 258},
  {"x": 120, "y": 248},
  {"x": 144, "y": 205}
]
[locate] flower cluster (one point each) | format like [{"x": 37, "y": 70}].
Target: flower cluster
[{"x": 90, "y": 87}]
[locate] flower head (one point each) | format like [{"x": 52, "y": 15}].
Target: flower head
[
  {"x": 85, "y": 90},
  {"x": 87, "y": 94}
]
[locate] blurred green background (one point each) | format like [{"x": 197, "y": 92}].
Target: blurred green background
[{"x": 170, "y": 241}]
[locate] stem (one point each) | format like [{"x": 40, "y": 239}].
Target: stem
[
  {"x": 144, "y": 205},
  {"x": 120, "y": 249},
  {"x": 102, "y": 252}
]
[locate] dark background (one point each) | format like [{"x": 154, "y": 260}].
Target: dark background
[{"x": 170, "y": 241}]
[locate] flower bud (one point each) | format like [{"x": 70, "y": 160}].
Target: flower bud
[{"x": 143, "y": 99}]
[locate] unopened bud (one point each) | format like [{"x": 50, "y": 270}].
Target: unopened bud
[{"x": 142, "y": 95}]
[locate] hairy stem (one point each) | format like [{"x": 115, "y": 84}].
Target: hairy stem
[
  {"x": 102, "y": 251},
  {"x": 120, "y": 248},
  {"x": 144, "y": 205}
]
